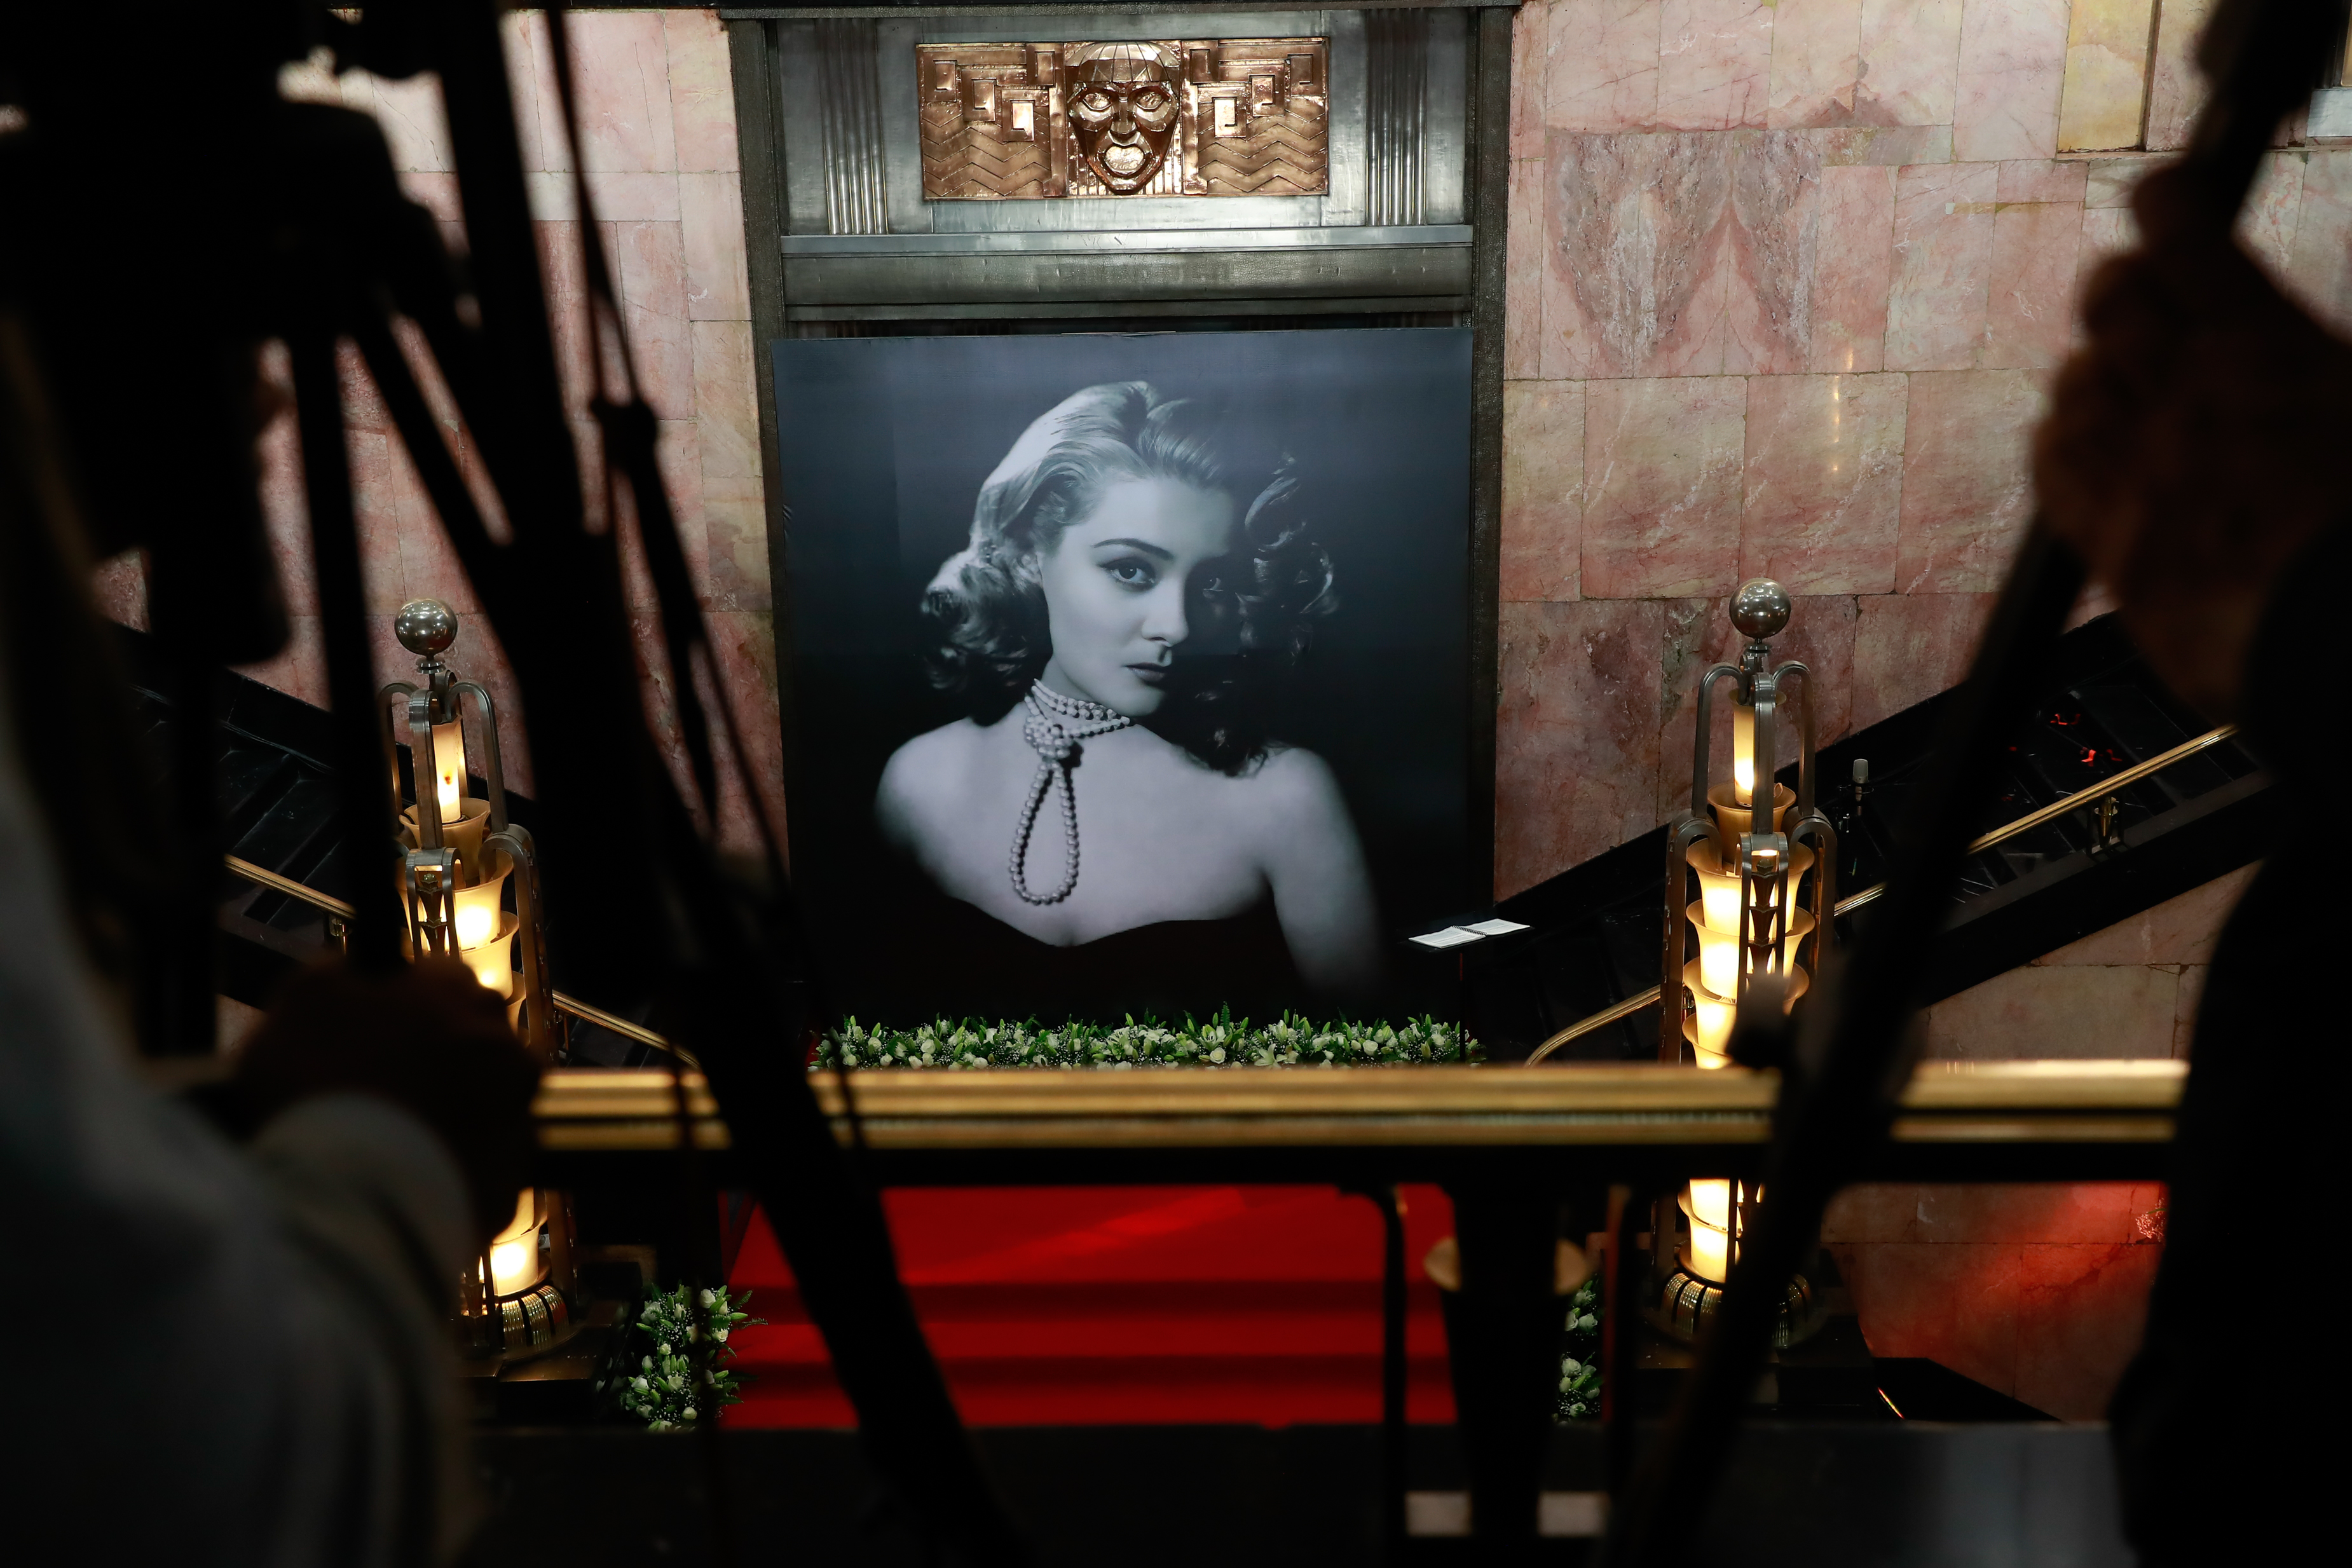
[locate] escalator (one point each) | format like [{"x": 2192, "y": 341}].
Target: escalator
[{"x": 2095, "y": 854}]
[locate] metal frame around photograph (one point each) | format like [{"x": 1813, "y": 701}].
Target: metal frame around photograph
[{"x": 1454, "y": 270}]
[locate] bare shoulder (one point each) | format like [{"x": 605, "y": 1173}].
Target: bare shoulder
[
  {"x": 926, "y": 774},
  {"x": 1293, "y": 788}
]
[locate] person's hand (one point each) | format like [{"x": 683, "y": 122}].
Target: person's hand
[
  {"x": 2192, "y": 446},
  {"x": 431, "y": 1039}
]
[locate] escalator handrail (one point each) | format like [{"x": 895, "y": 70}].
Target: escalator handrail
[
  {"x": 2025, "y": 824},
  {"x": 337, "y": 909}
]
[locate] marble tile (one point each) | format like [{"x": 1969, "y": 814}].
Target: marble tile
[
  {"x": 1543, "y": 488},
  {"x": 299, "y": 670},
  {"x": 415, "y": 122},
  {"x": 1662, "y": 462},
  {"x": 2319, "y": 267},
  {"x": 1523, "y": 270},
  {"x": 1715, "y": 64},
  {"x": 2266, "y": 227},
  {"x": 1699, "y": 635},
  {"x": 119, "y": 588},
  {"x": 1948, "y": 1304},
  {"x": 2184, "y": 1015},
  {"x": 2080, "y": 1010},
  {"x": 2043, "y": 179},
  {"x": 1853, "y": 268},
  {"x": 1966, "y": 490},
  {"x": 438, "y": 194},
  {"x": 726, "y": 411},
  {"x": 376, "y": 504},
  {"x": 2030, "y": 317},
  {"x": 736, "y": 574},
  {"x": 743, "y": 643},
  {"x": 1943, "y": 265},
  {"x": 1768, "y": 253},
  {"x": 2108, "y": 182},
  {"x": 2106, "y": 231},
  {"x": 1824, "y": 482},
  {"x": 651, "y": 259},
  {"x": 1633, "y": 225},
  {"x": 2181, "y": 930},
  {"x": 363, "y": 404},
  {"x": 627, "y": 196},
  {"x": 1530, "y": 63},
  {"x": 2105, "y": 87},
  {"x": 1910, "y": 646},
  {"x": 562, "y": 268},
  {"x": 2175, "y": 88},
  {"x": 1816, "y": 59},
  {"x": 701, "y": 91},
  {"x": 1889, "y": 146},
  {"x": 2100, "y": 1213},
  {"x": 1602, "y": 65},
  {"x": 1909, "y": 62},
  {"x": 716, "y": 286},
  {"x": 621, "y": 72},
  {"x": 531, "y": 66},
  {"x": 2081, "y": 1310},
  {"x": 2012, "y": 63},
  {"x": 1576, "y": 734}
]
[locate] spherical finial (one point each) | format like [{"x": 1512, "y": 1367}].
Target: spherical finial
[
  {"x": 426, "y": 627},
  {"x": 1760, "y": 607}
]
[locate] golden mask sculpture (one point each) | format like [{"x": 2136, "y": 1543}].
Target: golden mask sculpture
[{"x": 1224, "y": 117}]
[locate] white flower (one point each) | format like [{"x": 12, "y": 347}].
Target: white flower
[
  {"x": 1566, "y": 1384},
  {"x": 647, "y": 1365},
  {"x": 719, "y": 1335},
  {"x": 706, "y": 1297},
  {"x": 1570, "y": 1365},
  {"x": 1218, "y": 1055},
  {"x": 686, "y": 1414},
  {"x": 638, "y": 1384}
]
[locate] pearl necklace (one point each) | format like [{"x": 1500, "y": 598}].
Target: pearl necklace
[{"x": 1055, "y": 726}]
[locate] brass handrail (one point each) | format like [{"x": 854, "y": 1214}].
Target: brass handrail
[
  {"x": 1623, "y": 1105},
  {"x": 335, "y": 908},
  {"x": 2025, "y": 824}
]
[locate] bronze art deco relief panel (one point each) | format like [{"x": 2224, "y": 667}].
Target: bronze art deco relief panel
[{"x": 1222, "y": 117}]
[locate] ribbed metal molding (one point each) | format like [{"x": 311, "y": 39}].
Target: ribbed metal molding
[
  {"x": 1396, "y": 110},
  {"x": 851, "y": 115}
]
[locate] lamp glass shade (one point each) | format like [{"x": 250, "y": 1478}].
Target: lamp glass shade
[
  {"x": 1743, "y": 753},
  {"x": 493, "y": 962},
  {"x": 514, "y": 1253},
  {"x": 1712, "y": 1020},
  {"x": 1719, "y": 889},
  {"x": 462, "y": 833},
  {"x": 480, "y": 907},
  {"x": 1734, "y": 822},
  {"x": 1719, "y": 953},
  {"x": 449, "y": 768}
]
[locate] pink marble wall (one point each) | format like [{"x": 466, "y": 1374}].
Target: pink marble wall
[
  {"x": 1787, "y": 287},
  {"x": 659, "y": 155}
]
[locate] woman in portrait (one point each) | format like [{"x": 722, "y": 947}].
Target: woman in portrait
[{"x": 1139, "y": 579}]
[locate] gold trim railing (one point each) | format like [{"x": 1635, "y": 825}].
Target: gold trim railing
[
  {"x": 2102, "y": 790},
  {"x": 1630, "y": 1105},
  {"x": 335, "y": 909}
]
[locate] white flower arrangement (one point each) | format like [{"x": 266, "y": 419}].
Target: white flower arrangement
[
  {"x": 1222, "y": 1041},
  {"x": 658, "y": 1383}
]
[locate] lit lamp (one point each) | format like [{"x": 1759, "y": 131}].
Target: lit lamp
[
  {"x": 465, "y": 863},
  {"x": 1763, "y": 877}
]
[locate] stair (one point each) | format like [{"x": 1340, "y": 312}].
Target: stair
[{"x": 1594, "y": 942}]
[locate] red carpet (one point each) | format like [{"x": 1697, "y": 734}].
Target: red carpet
[{"x": 1079, "y": 1306}]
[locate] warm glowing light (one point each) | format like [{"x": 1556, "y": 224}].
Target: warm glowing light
[
  {"x": 514, "y": 1265},
  {"x": 1713, "y": 1021},
  {"x": 449, "y": 764},
  {"x": 479, "y": 916},
  {"x": 1710, "y": 1254},
  {"x": 1710, "y": 1203},
  {"x": 494, "y": 969},
  {"x": 1719, "y": 960},
  {"x": 514, "y": 1253},
  {"x": 1743, "y": 753}
]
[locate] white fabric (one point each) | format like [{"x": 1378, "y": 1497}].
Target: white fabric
[{"x": 209, "y": 1357}]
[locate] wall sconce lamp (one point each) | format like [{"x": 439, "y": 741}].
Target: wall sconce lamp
[
  {"x": 1762, "y": 916},
  {"x": 464, "y": 863}
]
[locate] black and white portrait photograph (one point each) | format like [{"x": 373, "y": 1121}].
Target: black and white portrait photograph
[{"x": 1129, "y": 669}]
